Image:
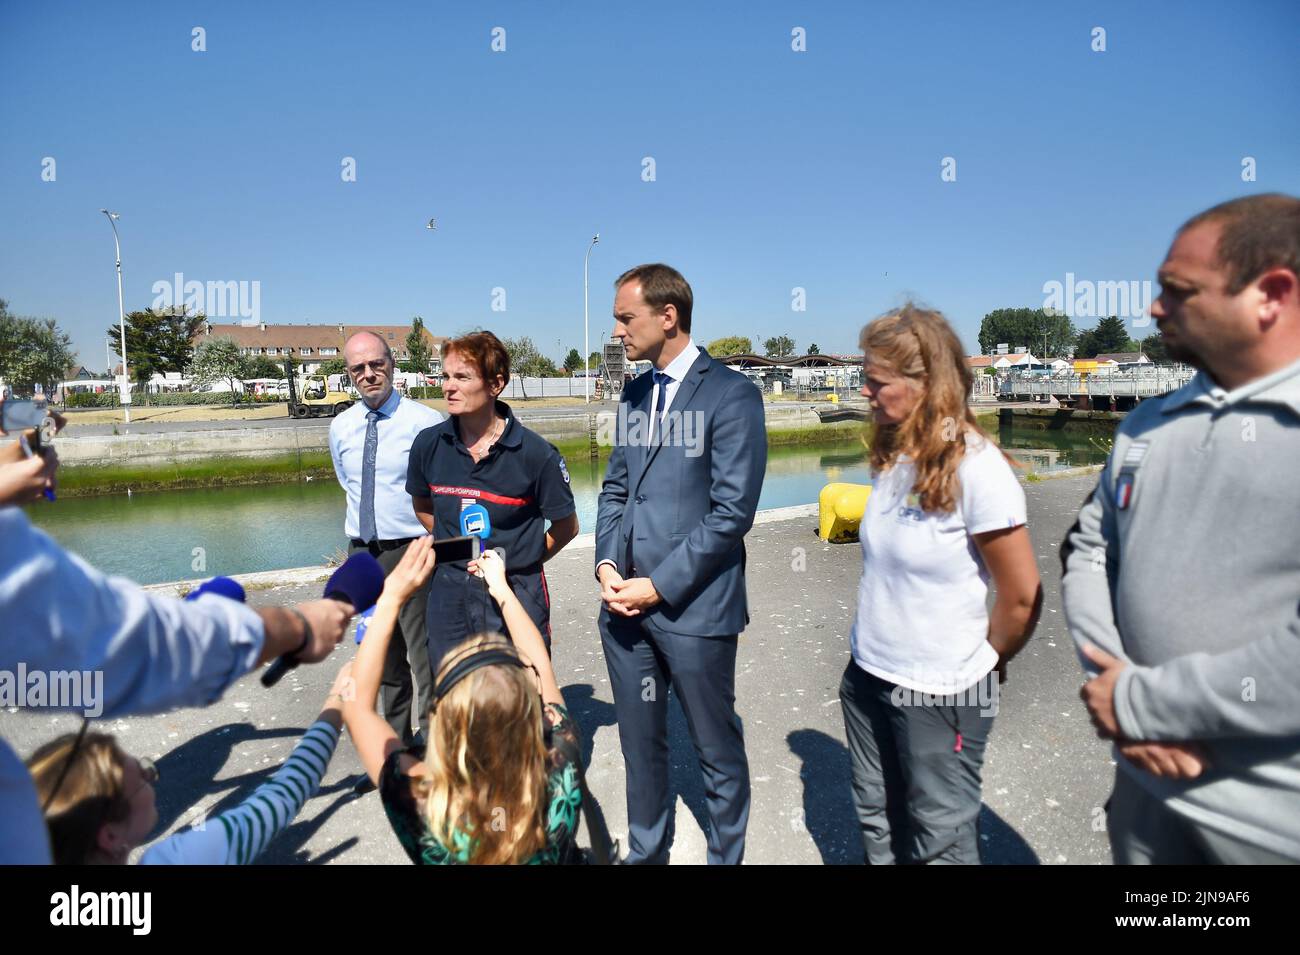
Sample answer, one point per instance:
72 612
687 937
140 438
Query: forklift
313 395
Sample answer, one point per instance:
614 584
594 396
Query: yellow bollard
840 510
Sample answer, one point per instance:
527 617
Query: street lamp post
586 346
125 386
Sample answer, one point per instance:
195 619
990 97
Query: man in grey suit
678 498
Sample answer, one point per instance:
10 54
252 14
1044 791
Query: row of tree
1056 335
779 346
36 352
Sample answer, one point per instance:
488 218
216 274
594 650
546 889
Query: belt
376 547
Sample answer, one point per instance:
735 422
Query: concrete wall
183 446
1096 422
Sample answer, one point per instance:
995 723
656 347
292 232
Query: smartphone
455 549
18 415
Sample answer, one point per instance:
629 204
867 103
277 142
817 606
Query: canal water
178 535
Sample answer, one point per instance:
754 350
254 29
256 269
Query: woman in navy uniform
482 455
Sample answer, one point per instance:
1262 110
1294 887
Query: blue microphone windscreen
359 581
475 522
223 586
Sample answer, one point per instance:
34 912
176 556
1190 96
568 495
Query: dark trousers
459 607
701 671
408 658
916 791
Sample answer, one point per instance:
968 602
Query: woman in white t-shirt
946 512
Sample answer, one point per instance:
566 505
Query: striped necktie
371 453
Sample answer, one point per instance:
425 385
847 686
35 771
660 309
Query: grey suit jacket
679 508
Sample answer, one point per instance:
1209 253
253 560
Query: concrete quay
1046 778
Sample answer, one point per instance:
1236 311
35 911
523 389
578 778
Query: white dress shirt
147 653
677 369
400 420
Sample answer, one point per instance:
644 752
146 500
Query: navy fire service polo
523 482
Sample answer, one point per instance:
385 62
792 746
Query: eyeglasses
148 771
378 366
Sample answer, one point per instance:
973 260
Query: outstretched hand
23 479
327 621
411 571
492 569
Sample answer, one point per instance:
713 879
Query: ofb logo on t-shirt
911 510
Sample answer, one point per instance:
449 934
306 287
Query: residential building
313 345
1000 363
1124 358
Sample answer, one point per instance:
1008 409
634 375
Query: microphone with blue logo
475 522
358 581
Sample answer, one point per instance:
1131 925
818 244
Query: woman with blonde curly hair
945 514
498 783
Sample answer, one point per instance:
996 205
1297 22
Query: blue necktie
368 532
661 379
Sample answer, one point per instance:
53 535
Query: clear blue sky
775 169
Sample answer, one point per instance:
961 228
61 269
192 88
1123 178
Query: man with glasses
370 444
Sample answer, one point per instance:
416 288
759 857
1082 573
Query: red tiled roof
315 337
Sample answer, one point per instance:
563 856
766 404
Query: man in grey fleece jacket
1182 574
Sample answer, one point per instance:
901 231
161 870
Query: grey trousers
642 665
916 788
1144 831
407 643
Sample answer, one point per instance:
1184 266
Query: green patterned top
564 800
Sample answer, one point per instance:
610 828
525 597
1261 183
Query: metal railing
1140 382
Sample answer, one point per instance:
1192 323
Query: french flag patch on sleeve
1123 491
1128 472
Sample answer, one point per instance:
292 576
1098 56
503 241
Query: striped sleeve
238 836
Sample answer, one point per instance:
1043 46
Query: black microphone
358 581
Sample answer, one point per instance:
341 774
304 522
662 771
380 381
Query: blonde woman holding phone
498 783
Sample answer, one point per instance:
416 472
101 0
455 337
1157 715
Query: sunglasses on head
148 771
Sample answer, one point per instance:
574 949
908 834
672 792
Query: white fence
546 388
